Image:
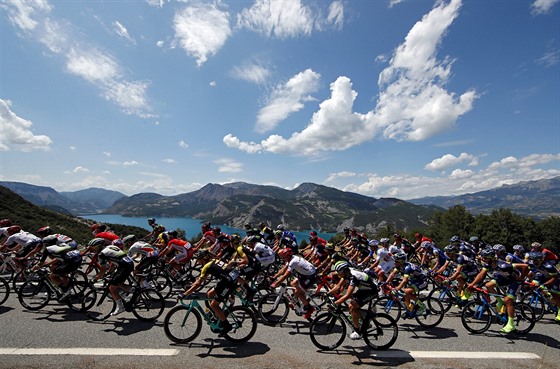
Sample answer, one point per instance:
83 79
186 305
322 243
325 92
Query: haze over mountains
309 206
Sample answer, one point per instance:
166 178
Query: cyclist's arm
346 296
479 277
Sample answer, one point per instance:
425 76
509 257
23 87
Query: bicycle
38 290
180 329
4 290
540 304
275 306
446 294
147 304
328 330
393 304
477 315
164 277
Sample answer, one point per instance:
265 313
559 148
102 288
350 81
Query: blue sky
387 98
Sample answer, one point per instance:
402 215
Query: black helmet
488 253
202 254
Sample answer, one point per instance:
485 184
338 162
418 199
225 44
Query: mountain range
309 206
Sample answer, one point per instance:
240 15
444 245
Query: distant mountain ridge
88 201
539 199
309 206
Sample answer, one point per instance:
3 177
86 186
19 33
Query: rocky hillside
538 199
309 206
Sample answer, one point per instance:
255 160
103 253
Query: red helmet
5 223
93 227
45 231
285 253
13 229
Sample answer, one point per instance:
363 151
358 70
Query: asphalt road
66 339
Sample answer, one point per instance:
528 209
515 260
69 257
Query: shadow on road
222 348
370 357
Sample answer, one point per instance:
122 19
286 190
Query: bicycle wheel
148 305
536 302
34 295
444 296
327 331
19 279
476 317
273 308
4 290
380 331
161 283
102 306
389 306
243 322
433 315
524 318
78 286
318 300
182 326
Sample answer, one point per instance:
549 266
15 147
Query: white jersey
385 258
394 249
22 238
264 254
301 266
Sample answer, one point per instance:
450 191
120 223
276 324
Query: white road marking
86 351
456 355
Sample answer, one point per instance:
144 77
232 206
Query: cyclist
148 253
101 231
403 244
253 258
287 233
500 251
465 270
361 289
183 250
4 225
519 255
24 243
152 236
223 289
503 274
112 257
546 277
477 244
547 254
267 233
46 234
305 276
384 262
65 259
431 250
414 280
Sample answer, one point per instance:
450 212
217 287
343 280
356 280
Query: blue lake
189 225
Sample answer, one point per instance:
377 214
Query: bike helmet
488 253
97 242
426 245
473 239
235 238
13 229
536 245
217 230
535 256
202 254
223 238
341 266
384 241
5 223
346 229
129 240
401 256
285 253
252 239
119 243
454 239
451 249
280 227
45 231
373 243
518 248
329 247
499 248
172 234
277 233
206 227
151 221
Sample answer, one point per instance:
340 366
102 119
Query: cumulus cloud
201 30
543 6
83 59
450 160
253 73
392 3
130 163
286 99
228 165
183 144
80 169
413 103
508 170
16 132
169 161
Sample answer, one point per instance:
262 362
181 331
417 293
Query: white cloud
508 170
83 59
412 105
550 58
73 148
169 161
449 160
253 73
394 2
160 43
201 30
286 99
183 144
228 166
121 30
543 6
336 14
130 163
107 154
213 84
80 169
16 133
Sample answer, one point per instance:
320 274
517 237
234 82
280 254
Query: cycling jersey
142 248
300 266
58 239
184 250
114 255
386 262
109 237
468 266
